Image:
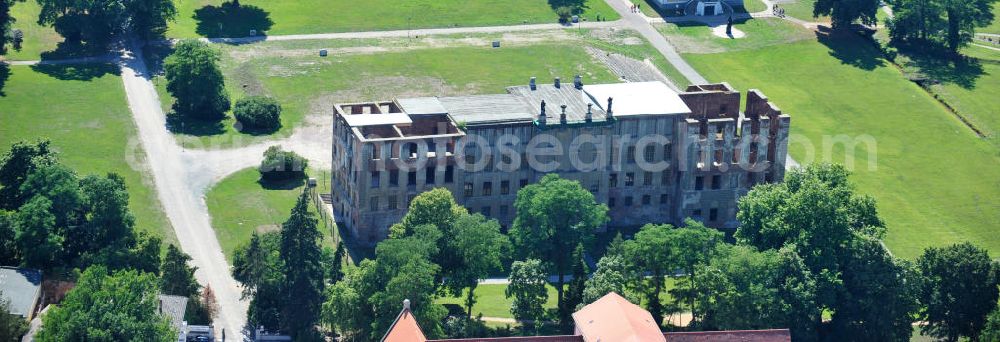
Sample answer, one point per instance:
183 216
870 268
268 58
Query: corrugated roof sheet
555 97
421 105
482 109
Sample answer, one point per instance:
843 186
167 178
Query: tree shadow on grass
77 72
231 21
936 65
850 48
4 75
282 184
182 124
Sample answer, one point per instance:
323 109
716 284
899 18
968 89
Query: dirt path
172 169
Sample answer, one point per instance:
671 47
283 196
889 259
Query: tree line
808 256
80 230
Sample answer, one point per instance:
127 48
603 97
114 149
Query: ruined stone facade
651 154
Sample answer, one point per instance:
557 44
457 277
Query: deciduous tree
195 80
652 254
15 166
553 217
843 13
257 266
479 248
527 288
40 245
959 291
102 307
12 326
574 293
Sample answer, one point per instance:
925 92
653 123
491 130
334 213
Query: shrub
258 113
564 13
279 164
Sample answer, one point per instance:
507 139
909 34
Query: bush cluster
279 165
258 113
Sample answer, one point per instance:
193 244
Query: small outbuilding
22 287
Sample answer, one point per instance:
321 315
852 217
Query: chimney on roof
556 82
531 83
406 304
590 114
562 117
541 117
578 82
610 113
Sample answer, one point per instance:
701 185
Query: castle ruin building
652 154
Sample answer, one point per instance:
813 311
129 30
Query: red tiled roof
405 329
560 338
614 318
771 335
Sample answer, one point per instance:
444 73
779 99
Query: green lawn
697 38
493 302
240 205
305 83
802 9
972 99
754 6
37 39
207 18
86 116
936 182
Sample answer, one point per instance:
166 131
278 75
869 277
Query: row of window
644 200
430 176
487 188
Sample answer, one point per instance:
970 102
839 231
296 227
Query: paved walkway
184 207
638 22
414 32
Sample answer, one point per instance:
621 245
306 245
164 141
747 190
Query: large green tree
117 307
479 249
695 245
553 217
948 22
195 80
613 274
176 277
574 292
8 242
37 239
150 17
959 291
15 166
816 212
91 21
843 13
653 255
365 303
257 266
301 261
527 288
742 288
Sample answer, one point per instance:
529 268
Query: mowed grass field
977 101
305 83
240 204
936 182
37 39
209 18
89 123
492 301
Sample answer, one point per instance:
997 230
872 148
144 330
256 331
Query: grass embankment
82 109
936 182
208 18
241 204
